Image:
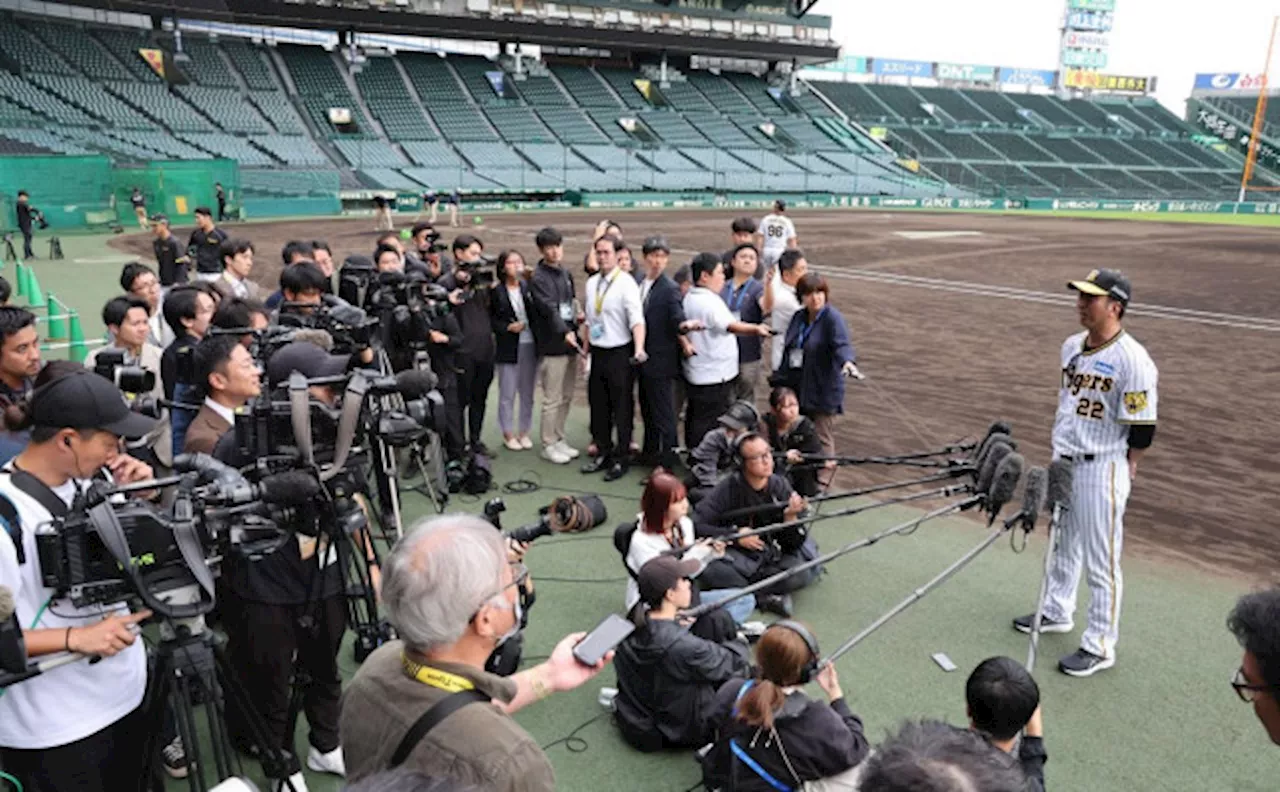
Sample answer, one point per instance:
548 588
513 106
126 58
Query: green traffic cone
57 326
35 296
78 350
22 279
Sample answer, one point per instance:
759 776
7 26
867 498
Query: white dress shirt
613 308
785 305
226 413
715 358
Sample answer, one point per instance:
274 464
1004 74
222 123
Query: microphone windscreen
987 445
7 603
1000 427
1060 478
291 488
995 455
1005 483
1033 495
416 383
312 335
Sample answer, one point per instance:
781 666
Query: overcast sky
1171 39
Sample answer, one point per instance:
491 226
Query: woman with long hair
662 526
769 735
516 355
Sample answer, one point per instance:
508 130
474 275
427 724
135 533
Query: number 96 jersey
1103 392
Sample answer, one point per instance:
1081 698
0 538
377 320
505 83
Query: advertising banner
1078 78
1100 21
1088 59
1080 40
1228 81
849 64
901 68
1094 5
1238 137
1038 77
966 72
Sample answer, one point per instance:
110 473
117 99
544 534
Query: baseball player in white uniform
1105 422
777 233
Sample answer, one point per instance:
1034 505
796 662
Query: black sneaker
1023 624
1084 663
175 759
616 471
777 604
595 465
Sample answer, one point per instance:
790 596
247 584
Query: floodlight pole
1252 157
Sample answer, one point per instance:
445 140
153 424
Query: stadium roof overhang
373 20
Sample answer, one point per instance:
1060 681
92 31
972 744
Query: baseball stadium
948 206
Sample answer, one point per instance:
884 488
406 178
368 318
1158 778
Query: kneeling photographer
79 726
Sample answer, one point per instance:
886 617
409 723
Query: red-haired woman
769 735
662 525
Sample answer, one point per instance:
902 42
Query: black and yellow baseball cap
1104 283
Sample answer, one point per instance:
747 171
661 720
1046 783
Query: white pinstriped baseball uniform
1104 392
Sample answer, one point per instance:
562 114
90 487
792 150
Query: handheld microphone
13 649
994 457
1033 499
1004 484
1061 474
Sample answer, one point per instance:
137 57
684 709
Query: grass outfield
1163 719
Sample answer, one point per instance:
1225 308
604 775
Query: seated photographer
237 264
794 436
667 676
229 378
934 755
769 735
290 602
80 727
662 526
1002 700
470 300
126 322
450 624
713 459
19 364
752 558
188 311
238 314
140 281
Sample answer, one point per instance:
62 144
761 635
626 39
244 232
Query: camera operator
754 558
388 259
26 214
171 257
81 726
290 601
236 314
450 591
555 321
322 255
294 252
301 283
205 245
19 364
428 249
229 378
140 281
188 311
470 302
126 322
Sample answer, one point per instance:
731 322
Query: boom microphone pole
746 511
1002 492
1059 502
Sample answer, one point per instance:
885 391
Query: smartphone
607 634
944 662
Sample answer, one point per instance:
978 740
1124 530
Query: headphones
810 669
738 443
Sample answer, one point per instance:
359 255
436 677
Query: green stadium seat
42 139
433 154
227 146
276 108
623 83
540 90
1115 151
44 91
20 47
364 154
248 60
586 87
572 125
321 87
956 105
289 182
754 90
75 44
390 179
157 101
205 66
1013 146
462 122
552 157
473 71
518 124
434 81
674 128
902 100
292 150
1070 151
227 107
124 43
389 101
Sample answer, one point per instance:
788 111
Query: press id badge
566 312
795 358
597 329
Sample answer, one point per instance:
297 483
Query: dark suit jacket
503 313
204 431
663 314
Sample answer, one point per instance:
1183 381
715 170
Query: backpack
479 477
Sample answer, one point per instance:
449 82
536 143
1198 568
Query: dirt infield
958 320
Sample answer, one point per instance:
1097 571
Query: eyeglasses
519 574
1246 691
757 457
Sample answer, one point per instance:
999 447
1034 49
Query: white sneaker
296 781
331 762
552 453
513 444
525 442
568 450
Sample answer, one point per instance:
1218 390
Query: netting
177 188
70 191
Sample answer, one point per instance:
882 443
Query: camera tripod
55 248
10 252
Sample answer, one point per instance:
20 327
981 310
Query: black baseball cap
741 415
203 210
160 219
655 243
307 358
1104 283
661 574
84 400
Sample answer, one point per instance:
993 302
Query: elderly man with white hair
425 702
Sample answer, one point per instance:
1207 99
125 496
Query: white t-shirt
785 305
1103 392
522 313
716 350
646 546
76 700
776 230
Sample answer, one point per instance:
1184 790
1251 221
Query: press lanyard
735 296
807 329
450 683
601 292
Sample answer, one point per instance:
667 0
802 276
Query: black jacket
1032 756
169 362
820 740
502 314
663 315
206 248
803 437
473 318
24 217
667 682
734 493
443 356
553 292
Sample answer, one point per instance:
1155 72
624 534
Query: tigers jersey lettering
1102 393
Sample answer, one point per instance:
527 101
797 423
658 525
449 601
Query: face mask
518 613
